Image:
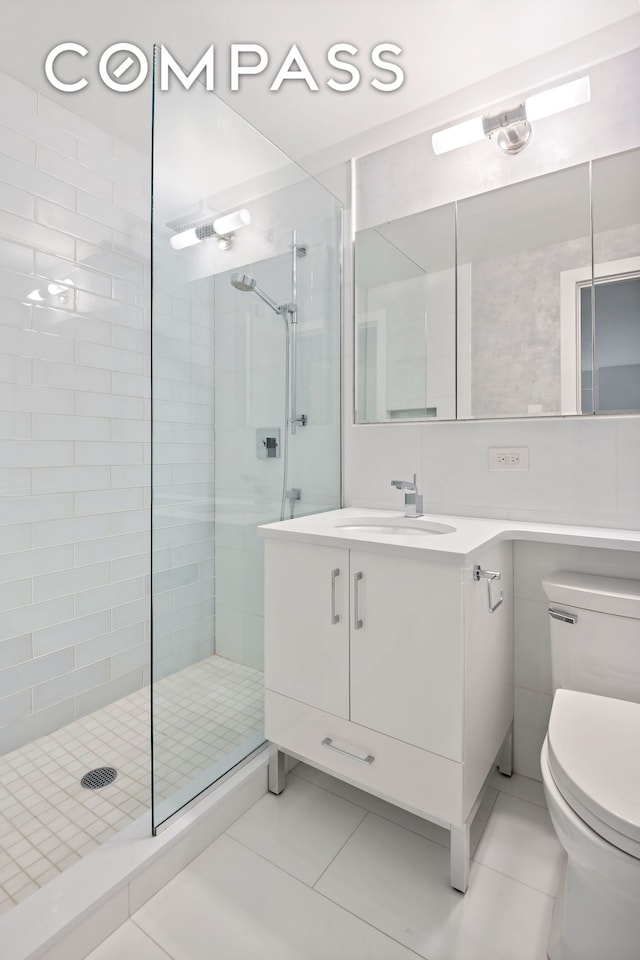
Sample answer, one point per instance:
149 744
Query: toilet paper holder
489 576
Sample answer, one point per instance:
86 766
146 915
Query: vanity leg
505 757
459 863
276 769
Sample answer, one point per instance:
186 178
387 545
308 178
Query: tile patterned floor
326 872
48 821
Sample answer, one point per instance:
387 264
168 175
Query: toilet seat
594 759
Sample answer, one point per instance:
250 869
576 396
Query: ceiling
448 47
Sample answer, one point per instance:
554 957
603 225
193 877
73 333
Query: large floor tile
127 943
520 842
410 821
518 786
388 811
232 904
400 883
301 830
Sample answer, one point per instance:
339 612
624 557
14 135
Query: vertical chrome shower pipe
290 317
293 339
287 417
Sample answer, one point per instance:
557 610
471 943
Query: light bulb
560 98
185 239
232 221
470 131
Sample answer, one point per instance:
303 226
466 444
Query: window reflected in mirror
615 327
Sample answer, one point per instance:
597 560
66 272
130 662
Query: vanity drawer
423 782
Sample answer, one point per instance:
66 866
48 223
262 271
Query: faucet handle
406 484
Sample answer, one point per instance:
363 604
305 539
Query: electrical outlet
508 458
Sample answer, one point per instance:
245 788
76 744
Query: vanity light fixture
512 127
222 228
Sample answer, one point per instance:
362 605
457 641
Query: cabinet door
307 624
407 650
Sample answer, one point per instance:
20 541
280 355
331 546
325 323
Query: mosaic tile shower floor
48 821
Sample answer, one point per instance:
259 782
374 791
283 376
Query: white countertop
471 536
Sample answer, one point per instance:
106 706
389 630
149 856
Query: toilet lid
594 758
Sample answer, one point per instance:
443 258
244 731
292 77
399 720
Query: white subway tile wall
183 468
74 416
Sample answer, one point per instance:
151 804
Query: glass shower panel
246 417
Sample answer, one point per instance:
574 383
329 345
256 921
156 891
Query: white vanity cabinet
391 673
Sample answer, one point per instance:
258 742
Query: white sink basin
395 526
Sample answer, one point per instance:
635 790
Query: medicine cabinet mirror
519 302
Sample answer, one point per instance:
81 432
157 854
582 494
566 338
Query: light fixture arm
505 119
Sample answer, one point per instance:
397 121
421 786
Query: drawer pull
328 742
562 615
335 617
357 620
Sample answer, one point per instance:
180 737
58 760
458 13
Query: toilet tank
595 634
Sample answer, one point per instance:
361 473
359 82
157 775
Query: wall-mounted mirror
519 302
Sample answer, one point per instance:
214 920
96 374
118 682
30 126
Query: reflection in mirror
515 245
612 315
543 318
405 318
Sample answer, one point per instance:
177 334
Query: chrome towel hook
489 576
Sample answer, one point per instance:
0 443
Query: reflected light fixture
222 228
59 289
512 128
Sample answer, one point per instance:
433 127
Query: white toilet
591 765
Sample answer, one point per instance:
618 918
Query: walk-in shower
137 457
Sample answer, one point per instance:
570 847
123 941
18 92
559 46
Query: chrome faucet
412 501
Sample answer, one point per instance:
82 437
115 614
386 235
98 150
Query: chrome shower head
242 282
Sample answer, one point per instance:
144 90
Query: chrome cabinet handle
335 617
328 742
357 622
562 615
489 576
